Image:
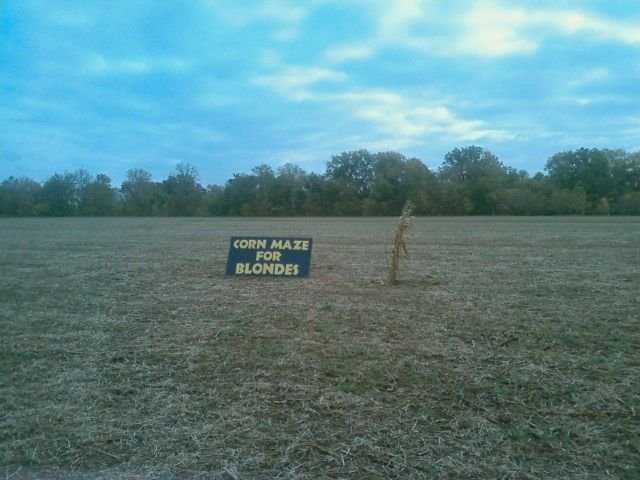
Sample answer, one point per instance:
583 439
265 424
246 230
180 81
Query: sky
226 85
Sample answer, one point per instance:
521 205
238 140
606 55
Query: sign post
269 256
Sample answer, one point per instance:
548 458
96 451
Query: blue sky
225 85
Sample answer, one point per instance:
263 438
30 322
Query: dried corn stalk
399 249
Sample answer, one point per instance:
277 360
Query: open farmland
509 349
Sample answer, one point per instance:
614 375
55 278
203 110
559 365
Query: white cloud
286 34
282 11
289 16
393 24
494 32
270 58
495 42
592 76
294 82
396 17
286 16
399 119
412 120
97 64
572 22
345 53
486 29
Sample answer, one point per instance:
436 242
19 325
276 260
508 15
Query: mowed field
510 349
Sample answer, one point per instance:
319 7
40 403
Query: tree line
470 181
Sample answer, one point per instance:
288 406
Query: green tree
422 187
389 191
473 177
215 200
99 198
314 202
81 180
628 204
239 196
141 196
625 171
349 181
512 195
586 168
341 200
19 197
184 195
568 202
353 170
264 185
454 198
289 191
59 195
398 179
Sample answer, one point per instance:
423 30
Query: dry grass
399 249
511 353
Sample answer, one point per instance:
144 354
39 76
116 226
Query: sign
269 256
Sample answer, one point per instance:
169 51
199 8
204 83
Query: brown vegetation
399 249
511 352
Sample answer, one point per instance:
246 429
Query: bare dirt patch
509 349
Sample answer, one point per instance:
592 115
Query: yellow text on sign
268 255
249 243
289 245
287 269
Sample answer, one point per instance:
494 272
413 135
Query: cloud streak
403 120
294 83
97 64
487 29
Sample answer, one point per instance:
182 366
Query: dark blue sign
269 256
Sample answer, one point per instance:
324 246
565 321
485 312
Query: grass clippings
510 350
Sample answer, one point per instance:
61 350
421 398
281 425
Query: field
509 349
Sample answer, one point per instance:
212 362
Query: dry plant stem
399 249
